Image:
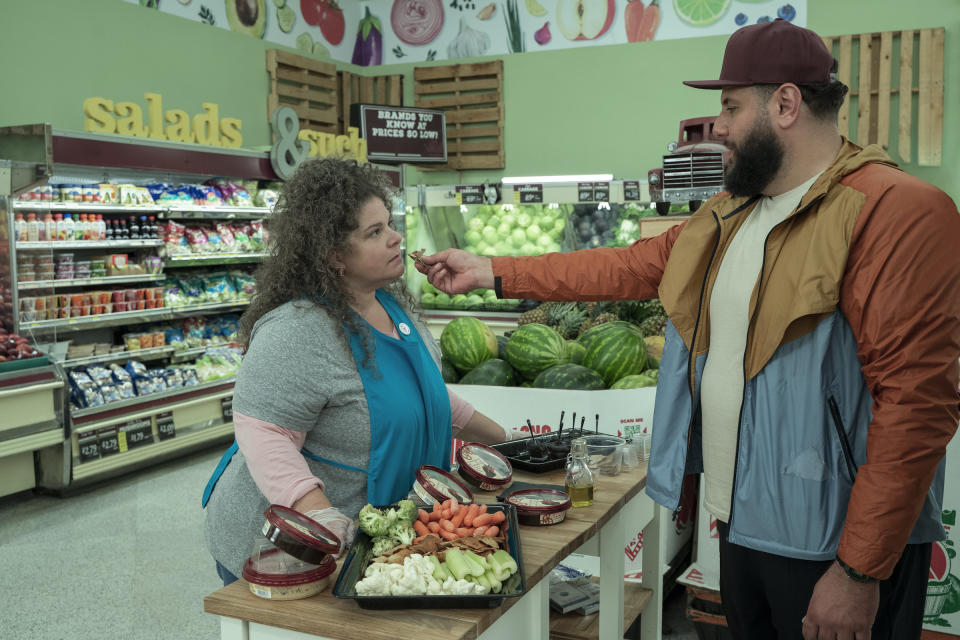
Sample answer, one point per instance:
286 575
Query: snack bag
227 240
214 243
258 237
173 294
241 236
267 198
197 240
244 283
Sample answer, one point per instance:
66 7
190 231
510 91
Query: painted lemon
700 13
536 9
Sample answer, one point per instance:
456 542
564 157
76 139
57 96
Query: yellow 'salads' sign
176 125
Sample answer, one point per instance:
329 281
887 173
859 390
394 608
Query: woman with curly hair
339 398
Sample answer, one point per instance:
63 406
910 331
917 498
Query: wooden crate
471 95
306 85
877 89
573 626
355 89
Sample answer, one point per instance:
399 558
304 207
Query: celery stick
495 583
506 560
457 564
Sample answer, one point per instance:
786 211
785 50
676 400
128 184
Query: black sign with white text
401 134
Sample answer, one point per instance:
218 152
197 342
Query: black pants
766 596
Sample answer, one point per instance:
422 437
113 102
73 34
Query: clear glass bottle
579 480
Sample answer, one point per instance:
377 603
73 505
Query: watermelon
448 371
466 342
616 353
533 348
588 337
573 351
635 381
494 372
502 347
569 376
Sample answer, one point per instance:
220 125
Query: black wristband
855 575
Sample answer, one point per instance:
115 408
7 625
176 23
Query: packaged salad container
539 507
298 535
483 467
433 484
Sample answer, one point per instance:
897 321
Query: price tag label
601 191
527 193
89 447
165 427
631 190
585 192
226 408
469 194
108 441
135 433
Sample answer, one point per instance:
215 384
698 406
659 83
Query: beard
757 160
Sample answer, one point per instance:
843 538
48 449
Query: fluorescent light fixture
597 177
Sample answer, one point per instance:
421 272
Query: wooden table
619 503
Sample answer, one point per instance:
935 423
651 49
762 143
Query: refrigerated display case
518 220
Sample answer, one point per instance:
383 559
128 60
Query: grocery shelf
187 354
83 207
83 282
216 213
129 317
150 399
213 259
90 244
135 354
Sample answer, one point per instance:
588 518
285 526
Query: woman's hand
338 524
482 429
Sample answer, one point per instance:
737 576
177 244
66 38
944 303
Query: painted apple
584 19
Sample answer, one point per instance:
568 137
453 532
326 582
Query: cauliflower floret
462 588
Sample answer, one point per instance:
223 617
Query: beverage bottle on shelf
145 228
41 230
101 228
50 226
33 228
124 232
83 231
69 228
108 229
134 228
61 229
19 228
154 228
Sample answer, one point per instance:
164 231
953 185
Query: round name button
404 328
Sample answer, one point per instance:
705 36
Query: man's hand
841 608
456 271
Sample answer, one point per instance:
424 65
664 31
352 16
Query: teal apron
409 407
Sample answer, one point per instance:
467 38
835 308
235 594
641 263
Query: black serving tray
358 557
511 448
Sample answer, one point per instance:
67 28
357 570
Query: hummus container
273 574
433 484
298 535
483 468
539 507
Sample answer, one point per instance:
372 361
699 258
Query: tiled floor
126 560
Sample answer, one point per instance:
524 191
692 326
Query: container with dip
483 468
294 557
433 484
539 507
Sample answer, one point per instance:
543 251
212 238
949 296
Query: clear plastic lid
484 464
272 567
299 535
441 485
539 501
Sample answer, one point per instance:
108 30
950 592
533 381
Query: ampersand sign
287 152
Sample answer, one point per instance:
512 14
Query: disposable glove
338 524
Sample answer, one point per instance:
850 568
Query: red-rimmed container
433 484
298 535
484 468
539 507
273 574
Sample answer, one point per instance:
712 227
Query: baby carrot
433 526
423 516
437 507
483 508
498 517
420 528
454 505
457 518
464 532
448 535
472 512
483 520
418 539
492 531
446 525
435 515
445 514
479 531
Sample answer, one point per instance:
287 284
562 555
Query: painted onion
417 22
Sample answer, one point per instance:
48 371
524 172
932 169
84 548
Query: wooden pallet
573 626
355 89
879 88
306 85
471 95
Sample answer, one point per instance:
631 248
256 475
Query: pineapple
654 325
558 311
537 315
603 318
566 318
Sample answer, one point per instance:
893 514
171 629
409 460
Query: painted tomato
327 15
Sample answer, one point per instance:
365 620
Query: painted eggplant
368 50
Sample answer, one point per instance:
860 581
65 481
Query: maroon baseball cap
772 53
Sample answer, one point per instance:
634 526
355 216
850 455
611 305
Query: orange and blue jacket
850 367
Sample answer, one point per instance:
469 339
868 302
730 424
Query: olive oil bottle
579 480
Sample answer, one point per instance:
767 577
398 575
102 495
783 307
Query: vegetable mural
428 30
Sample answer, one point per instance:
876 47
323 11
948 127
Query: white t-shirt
721 388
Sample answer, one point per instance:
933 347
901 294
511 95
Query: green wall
592 110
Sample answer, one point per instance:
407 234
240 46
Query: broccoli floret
406 511
402 532
382 544
391 516
373 522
